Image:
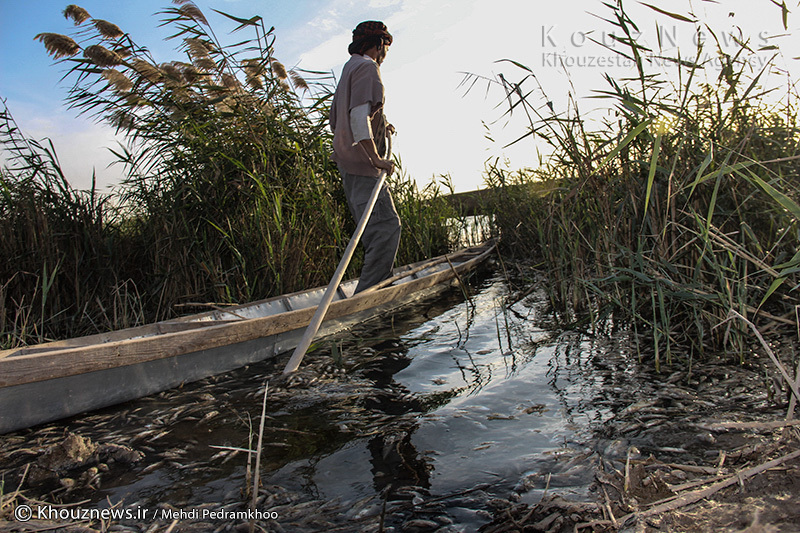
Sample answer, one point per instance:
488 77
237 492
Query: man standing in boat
359 148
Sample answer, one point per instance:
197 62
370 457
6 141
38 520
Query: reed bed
229 193
681 206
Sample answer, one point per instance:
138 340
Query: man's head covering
372 28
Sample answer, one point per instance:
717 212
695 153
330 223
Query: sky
442 128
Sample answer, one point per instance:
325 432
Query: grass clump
681 206
229 194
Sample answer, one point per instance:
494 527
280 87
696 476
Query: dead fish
154 466
160 435
180 466
420 524
638 406
173 454
177 413
144 434
208 416
537 408
498 416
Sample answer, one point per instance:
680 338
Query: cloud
82 146
377 4
86 152
440 128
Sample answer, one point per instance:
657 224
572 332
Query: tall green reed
676 210
51 236
430 224
229 193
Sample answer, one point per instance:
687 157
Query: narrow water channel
428 415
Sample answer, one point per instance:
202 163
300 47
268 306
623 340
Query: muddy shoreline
663 449
708 454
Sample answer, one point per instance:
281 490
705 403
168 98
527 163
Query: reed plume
190 73
119 80
147 70
298 81
278 69
123 51
58 45
107 29
172 71
192 12
230 81
76 13
102 56
254 70
198 49
133 100
206 63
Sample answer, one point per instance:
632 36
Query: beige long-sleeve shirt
360 84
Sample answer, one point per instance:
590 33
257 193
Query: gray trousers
381 237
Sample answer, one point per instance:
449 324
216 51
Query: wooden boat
59 379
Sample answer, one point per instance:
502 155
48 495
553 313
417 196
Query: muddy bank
710 450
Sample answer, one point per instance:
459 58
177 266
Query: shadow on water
434 411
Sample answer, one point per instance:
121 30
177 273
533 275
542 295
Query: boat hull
47 383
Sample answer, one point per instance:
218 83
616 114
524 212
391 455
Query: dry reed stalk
692 497
607 507
743 426
782 369
257 473
11 499
793 400
248 475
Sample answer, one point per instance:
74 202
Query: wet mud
461 415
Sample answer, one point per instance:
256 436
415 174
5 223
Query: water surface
453 402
